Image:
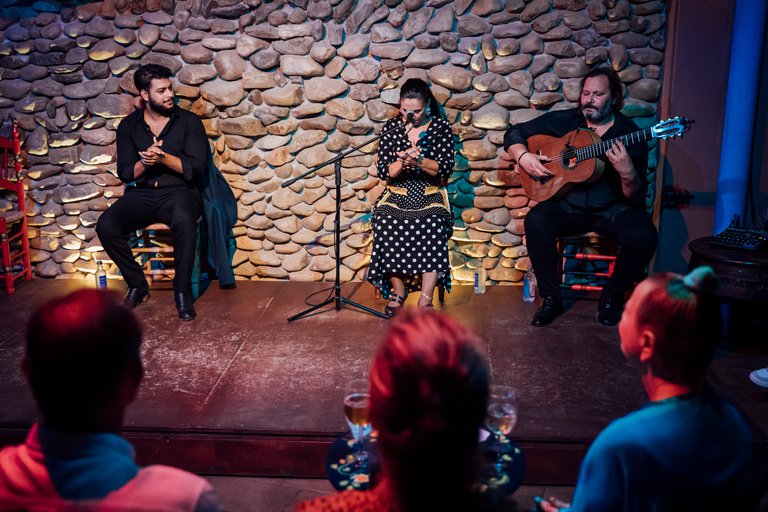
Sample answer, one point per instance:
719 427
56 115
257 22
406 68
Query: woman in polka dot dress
412 219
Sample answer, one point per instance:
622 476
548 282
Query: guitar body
566 172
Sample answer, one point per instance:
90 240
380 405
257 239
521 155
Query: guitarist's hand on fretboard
532 164
620 159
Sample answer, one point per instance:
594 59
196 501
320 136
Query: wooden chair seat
153 247
586 261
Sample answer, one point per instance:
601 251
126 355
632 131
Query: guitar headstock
671 127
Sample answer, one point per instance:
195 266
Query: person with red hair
429 388
687 449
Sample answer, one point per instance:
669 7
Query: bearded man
612 206
162 151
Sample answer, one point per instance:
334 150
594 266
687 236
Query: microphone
409 116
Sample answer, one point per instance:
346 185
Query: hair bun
701 280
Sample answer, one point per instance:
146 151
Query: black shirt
183 136
603 197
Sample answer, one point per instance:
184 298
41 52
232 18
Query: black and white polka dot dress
412 219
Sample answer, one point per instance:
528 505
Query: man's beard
161 109
599 115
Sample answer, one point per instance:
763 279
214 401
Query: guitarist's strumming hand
532 164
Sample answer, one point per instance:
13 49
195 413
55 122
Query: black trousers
178 207
633 230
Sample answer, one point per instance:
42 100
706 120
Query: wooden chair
154 249
14 242
586 261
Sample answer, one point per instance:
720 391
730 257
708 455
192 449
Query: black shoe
609 309
551 308
136 296
184 305
392 311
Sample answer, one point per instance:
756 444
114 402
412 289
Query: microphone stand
337 298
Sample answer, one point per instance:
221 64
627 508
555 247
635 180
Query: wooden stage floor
240 391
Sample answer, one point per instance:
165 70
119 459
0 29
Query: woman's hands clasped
410 157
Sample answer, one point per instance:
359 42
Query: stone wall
282 85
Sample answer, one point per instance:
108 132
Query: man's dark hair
79 350
614 84
146 73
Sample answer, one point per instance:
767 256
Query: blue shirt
684 453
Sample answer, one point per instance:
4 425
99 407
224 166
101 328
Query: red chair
15 246
586 261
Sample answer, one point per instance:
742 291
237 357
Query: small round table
340 468
743 277
743 274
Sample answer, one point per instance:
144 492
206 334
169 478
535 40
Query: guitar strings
600 147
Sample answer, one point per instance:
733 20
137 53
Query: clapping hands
153 155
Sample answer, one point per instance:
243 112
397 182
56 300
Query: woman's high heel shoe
391 311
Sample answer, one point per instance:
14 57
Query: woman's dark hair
429 390
684 316
414 88
143 76
614 84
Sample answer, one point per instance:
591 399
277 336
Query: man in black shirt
163 151
612 206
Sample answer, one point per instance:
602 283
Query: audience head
429 389
82 359
417 89
678 318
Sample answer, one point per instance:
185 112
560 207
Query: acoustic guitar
574 156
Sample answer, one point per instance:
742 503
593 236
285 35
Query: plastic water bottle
101 276
529 286
480 279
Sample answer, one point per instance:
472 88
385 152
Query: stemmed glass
356 398
501 418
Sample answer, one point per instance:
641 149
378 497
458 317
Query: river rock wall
281 86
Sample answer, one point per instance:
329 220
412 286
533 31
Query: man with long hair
613 205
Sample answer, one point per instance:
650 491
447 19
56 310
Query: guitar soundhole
568 158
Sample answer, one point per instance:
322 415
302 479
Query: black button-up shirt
183 136
603 197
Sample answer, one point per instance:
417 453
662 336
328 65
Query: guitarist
612 206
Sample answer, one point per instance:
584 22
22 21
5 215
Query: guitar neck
600 148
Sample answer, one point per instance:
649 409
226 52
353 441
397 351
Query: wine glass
356 398
501 418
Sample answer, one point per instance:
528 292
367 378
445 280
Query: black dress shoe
136 296
185 305
551 308
609 309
